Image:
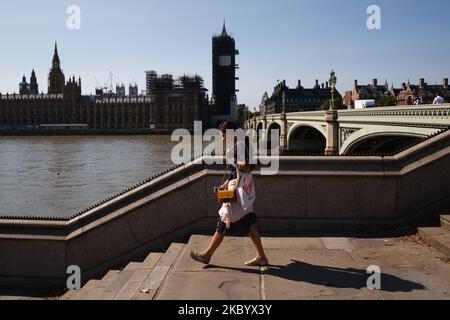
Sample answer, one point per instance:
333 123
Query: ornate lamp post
331 118
333 81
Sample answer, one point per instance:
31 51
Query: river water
60 176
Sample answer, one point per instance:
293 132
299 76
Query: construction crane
107 87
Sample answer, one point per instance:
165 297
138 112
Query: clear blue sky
286 39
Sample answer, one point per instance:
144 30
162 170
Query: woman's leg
205 256
256 239
214 245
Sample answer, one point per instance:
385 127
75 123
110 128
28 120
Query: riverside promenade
311 267
303 267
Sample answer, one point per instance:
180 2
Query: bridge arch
273 126
374 142
307 137
259 127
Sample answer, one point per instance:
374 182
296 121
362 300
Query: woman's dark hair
228 125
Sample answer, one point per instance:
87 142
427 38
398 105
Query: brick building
422 92
373 91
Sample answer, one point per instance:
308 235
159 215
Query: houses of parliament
64 107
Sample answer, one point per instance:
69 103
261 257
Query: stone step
152 284
99 289
152 259
90 286
105 289
128 283
109 278
111 291
77 294
438 238
142 272
445 222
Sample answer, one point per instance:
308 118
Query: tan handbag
228 196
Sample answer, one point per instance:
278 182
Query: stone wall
308 194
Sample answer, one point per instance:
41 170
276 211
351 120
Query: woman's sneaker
258 262
199 257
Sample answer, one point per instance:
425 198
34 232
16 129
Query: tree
386 101
243 114
338 104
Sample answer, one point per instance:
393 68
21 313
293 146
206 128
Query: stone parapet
308 193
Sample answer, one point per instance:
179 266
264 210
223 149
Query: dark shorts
240 228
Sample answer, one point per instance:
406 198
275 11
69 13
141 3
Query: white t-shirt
238 211
439 100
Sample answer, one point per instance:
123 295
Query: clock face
225 61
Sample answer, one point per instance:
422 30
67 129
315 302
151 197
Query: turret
24 87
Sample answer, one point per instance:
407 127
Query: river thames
60 176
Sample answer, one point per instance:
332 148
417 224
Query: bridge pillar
331 118
283 133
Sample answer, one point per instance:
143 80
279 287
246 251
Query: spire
33 76
224 30
56 61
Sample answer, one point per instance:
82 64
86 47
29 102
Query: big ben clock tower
224 76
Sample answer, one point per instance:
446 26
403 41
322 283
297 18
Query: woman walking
246 220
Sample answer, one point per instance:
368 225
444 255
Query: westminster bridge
345 132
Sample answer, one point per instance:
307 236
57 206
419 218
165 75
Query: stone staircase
438 237
137 281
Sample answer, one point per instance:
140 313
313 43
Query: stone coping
399 165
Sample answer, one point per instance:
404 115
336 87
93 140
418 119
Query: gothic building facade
298 99
26 88
64 106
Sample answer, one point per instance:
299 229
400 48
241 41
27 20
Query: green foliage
243 113
338 104
386 101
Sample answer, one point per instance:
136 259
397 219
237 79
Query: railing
438 115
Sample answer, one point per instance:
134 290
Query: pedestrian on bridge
438 99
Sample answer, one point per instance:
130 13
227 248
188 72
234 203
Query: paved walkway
301 268
310 268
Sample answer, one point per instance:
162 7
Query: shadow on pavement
330 276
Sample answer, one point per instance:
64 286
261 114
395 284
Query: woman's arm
244 167
224 186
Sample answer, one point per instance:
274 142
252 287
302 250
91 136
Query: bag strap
240 174
237 173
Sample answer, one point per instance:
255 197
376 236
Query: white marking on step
263 283
338 244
